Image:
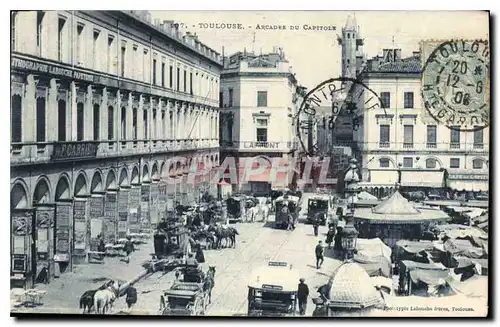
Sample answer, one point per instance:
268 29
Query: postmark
322 105
456 83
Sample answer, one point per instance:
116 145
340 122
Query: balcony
478 146
383 144
431 145
257 146
454 145
408 145
38 153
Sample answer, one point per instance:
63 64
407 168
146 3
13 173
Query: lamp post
349 233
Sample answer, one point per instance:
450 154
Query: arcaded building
100 100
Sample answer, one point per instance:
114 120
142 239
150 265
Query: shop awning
422 178
468 185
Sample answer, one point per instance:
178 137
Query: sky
315 56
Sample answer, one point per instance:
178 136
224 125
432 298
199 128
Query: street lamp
349 233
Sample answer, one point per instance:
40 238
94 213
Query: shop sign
74 150
96 207
39 67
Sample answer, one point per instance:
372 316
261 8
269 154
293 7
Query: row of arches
435 163
21 198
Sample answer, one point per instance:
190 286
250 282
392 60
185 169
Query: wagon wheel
162 304
199 306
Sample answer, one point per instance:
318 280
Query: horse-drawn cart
184 299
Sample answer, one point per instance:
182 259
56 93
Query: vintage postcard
250 163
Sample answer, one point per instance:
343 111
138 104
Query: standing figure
131 298
337 245
329 236
316 221
319 255
199 256
129 248
302 294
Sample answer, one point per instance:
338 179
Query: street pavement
257 244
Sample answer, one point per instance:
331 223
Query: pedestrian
329 237
200 257
302 294
337 245
131 298
319 255
129 248
316 225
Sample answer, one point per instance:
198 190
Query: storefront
23 250
81 234
96 213
110 222
134 209
123 210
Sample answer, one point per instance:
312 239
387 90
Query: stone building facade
100 104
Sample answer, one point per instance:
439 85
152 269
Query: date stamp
322 106
456 83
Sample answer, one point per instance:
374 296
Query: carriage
318 204
237 206
186 297
168 240
281 216
272 290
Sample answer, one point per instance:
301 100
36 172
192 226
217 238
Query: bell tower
352 48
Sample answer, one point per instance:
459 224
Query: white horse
105 298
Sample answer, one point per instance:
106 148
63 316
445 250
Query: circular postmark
456 84
321 106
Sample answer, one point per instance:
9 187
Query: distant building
401 133
258 106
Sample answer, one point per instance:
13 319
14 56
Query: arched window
384 163
430 163
477 164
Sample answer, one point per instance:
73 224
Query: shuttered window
111 125
17 122
97 120
79 122
145 121
40 119
61 121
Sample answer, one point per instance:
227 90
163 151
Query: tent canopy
366 196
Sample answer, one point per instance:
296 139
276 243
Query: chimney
397 54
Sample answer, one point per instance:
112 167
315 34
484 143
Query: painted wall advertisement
96 204
145 204
153 218
80 223
123 212
110 215
63 230
134 204
162 200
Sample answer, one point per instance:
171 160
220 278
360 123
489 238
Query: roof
351 287
366 196
284 277
407 65
323 197
290 198
476 286
414 246
397 210
396 204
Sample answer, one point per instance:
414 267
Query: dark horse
226 234
205 235
87 299
209 282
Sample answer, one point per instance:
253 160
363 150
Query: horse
209 282
105 298
227 234
87 299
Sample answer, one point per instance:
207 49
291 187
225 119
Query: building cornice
155 31
290 76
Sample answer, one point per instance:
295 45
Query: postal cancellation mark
455 83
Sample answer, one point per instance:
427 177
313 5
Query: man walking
129 248
302 294
319 255
316 221
131 298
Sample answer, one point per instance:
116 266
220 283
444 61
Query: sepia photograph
306 164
